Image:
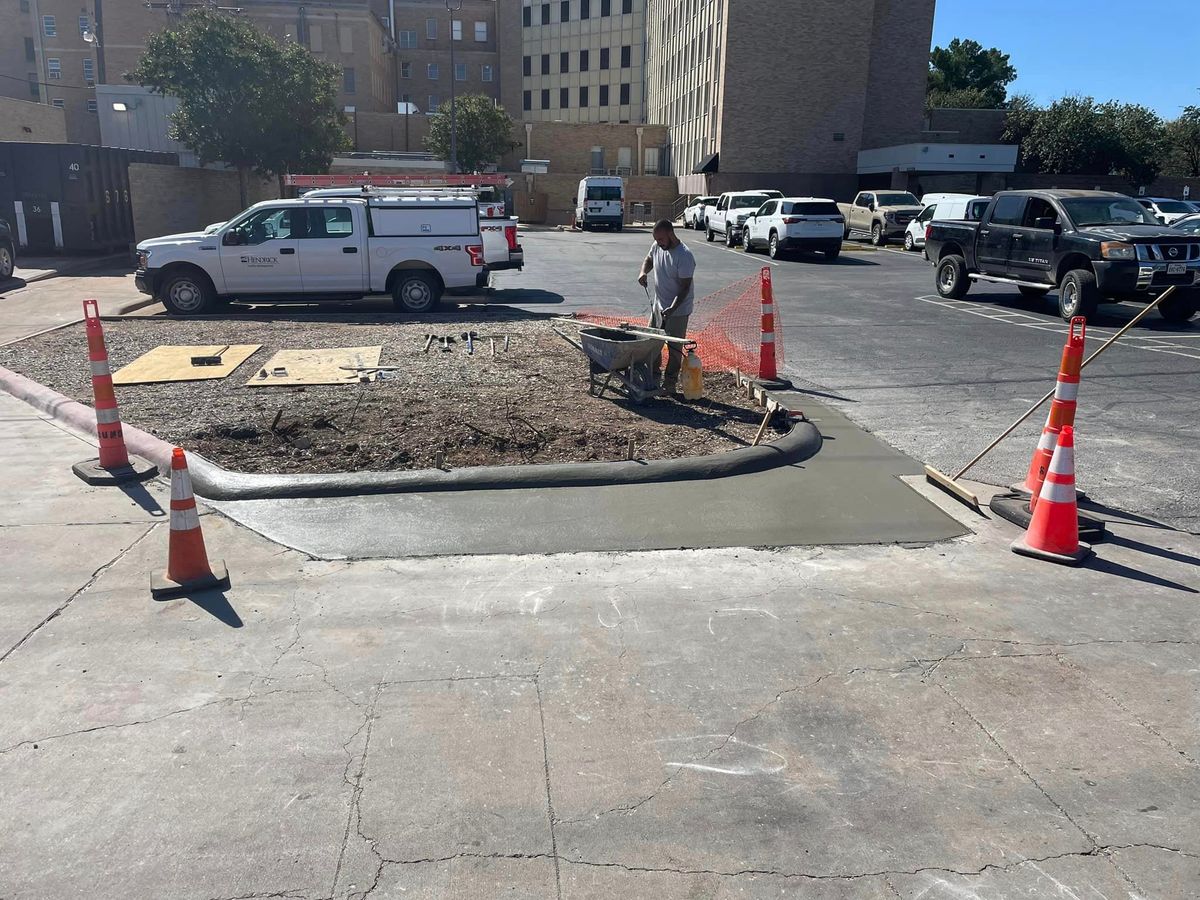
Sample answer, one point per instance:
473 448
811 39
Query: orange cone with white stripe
1062 407
113 466
188 568
768 373
1053 533
1041 461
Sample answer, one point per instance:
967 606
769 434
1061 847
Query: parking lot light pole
453 6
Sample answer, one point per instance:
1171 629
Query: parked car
1093 246
8 251
729 214
693 213
943 206
1165 209
312 249
881 215
774 195
795 223
600 203
1194 204
1188 224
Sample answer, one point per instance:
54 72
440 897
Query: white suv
1165 209
795 223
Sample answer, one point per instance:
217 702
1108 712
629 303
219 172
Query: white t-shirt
670 268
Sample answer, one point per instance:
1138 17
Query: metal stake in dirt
113 466
768 376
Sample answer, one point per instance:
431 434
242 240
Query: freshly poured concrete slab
849 493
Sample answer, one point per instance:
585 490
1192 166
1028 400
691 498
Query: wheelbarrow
626 355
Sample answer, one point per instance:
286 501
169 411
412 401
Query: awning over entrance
944 158
708 165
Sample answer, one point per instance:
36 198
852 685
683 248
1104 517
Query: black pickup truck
1090 246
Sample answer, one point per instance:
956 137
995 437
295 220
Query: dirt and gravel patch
527 405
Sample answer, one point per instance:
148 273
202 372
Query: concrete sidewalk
842 722
30 309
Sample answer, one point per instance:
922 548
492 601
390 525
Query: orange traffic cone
1062 407
187 560
1041 462
768 373
1053 533
113 465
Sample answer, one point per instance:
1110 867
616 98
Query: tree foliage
244 98
484 132
964 74
1183 141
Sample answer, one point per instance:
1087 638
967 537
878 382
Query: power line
49 84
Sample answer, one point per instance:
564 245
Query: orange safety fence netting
726 325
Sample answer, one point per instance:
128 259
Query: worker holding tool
674 267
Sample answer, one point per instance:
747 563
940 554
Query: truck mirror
232 238
1045 223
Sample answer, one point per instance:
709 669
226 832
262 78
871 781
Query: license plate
1176 268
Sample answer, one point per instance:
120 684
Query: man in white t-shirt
673 267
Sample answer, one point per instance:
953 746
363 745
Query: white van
968 207
600 201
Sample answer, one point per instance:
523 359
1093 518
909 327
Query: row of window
585 61
50 26
433 71
409 38
564 97
54 67
58 102
564 11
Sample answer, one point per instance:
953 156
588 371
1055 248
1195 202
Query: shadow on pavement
12 284
520 295
1131 544
1113 568
1108 514
216 605
136 491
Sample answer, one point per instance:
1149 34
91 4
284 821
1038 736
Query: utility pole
453 6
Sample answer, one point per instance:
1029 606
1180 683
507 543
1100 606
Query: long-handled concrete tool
950 484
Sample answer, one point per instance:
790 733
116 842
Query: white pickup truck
729 214
412 247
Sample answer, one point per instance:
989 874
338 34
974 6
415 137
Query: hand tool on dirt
370 368
493 340
446 344
469 337
428 342
950 484
213 359
506 343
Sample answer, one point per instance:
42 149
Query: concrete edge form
214 482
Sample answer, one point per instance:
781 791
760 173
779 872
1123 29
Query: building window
626 57
387 24
624 95
603 57
583 97
597 160
91 106
58 103
346 39
606 7
431 71
406 69
456 29
347 81
33 85
24 6
839 135
431 29
316 38
85 25
89 71
527 17
527 101
49 29
545 13
30 55
545 63
486 73
626 6
564 98
545 98
527 65
407 39
460 71
564 11
481 32
564 62
54 68
583 60
604 95
585 9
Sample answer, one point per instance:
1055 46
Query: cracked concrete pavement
943 721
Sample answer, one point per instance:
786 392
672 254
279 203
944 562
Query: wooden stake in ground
763 426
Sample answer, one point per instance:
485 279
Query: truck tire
1078 295
877 237
729 237
951 278
414 291
6 262
1178 308
187 292
708 234
1028 291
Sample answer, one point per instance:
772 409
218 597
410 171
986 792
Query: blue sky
1136 51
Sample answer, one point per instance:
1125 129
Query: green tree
1141 138
244 99
484 131
965 73
1183 141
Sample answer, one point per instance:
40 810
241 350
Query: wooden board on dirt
291 367
174 363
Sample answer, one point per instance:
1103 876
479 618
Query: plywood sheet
315 366
174 363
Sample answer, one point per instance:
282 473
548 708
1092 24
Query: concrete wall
966 126
26 121
559 192
387 131
169 200
898 72
569 146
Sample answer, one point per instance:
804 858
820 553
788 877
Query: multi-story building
785 92
583 60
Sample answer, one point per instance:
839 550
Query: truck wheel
708 234
1177 308
729 242
877 237
952 281
1028 291
187 292
415 292
6 262
1078 295
746 241
773 248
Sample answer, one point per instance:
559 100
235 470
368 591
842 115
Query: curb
214 482
84 265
